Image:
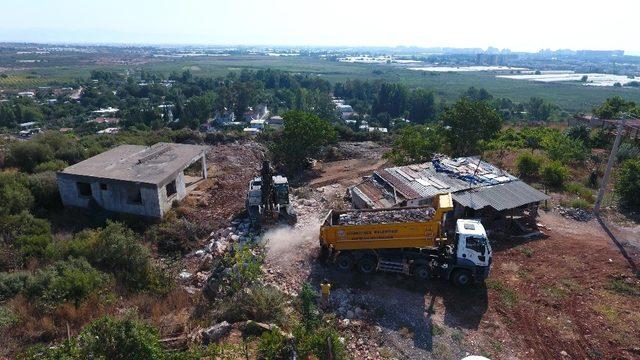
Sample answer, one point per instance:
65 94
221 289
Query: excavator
268 199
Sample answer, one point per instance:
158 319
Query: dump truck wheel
461 278
344 262
367 265
422 272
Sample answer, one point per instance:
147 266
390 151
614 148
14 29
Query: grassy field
570 96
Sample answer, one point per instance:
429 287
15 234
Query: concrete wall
115 197
167 201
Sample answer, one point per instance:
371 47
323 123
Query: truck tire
344 262
367 265
461 278
422 272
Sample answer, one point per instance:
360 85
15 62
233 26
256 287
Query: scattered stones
575 213
215 332
185 276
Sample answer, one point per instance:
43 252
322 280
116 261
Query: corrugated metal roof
500 197
474 183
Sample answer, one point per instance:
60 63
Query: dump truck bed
409 227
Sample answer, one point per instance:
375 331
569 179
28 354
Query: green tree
554 174
14 194
528 165
66 280
627 186
614 107
469 123
422 106
562 148
539 109
302 137
417 143
109 338
25 155
115 249
392 98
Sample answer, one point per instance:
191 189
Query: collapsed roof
473 183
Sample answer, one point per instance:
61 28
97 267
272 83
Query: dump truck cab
472 251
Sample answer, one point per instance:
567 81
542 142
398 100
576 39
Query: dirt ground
570 295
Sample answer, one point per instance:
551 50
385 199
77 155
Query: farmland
571 97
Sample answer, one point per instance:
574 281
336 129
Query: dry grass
170 314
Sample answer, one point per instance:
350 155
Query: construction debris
575 213
215 332
386 217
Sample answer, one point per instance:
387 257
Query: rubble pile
386 217
231 166
200 263
575 213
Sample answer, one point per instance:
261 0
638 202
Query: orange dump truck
407 240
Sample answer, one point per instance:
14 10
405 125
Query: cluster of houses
347 114
257 118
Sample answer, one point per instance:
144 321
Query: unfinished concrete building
134 179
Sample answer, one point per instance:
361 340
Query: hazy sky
519 25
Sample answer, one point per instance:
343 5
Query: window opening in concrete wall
134 196
84 189
171 188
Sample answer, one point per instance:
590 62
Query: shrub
261 303
25 155
308 298
68 280
560 147
115 249
31 235
11 284
627 186
107 338
627 151
599 139
554 174
176 235
246 262
528 165
7 318
14 194
579 132
44 188
315 343
580 190
580 204
52 165
274 346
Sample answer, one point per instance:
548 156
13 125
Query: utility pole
612 157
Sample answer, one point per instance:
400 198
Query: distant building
132 179
224 118
276 122
28 94
106 111
110 130
105 120
257 124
